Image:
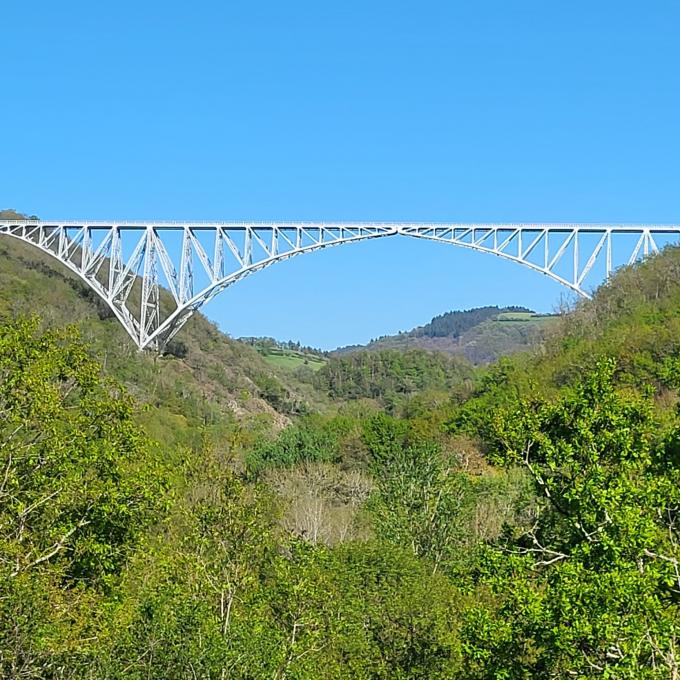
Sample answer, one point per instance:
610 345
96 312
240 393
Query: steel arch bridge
128 264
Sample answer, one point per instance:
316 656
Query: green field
291 360
523 316
515 316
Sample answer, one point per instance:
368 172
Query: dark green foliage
309 440
266 345
274 392
500 333
312 439
497 338
454 324
177 349
427 503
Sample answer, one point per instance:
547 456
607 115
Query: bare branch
59 545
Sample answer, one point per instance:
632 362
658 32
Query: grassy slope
218 383
290 360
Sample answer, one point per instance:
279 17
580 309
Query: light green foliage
79 485
76 487
515 316
224 594
591 588
190 601
422 504
427 503
376 612
291 360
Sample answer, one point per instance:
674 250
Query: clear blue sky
443 111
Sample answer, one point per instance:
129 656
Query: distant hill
11 214
454 324
481 335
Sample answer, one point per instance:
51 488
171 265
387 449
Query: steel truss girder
116 258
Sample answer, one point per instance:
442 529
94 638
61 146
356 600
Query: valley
422 507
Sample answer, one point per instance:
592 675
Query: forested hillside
205 378
481 335
395 515
390 376
454 324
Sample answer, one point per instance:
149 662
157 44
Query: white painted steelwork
195 261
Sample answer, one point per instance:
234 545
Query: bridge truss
154 276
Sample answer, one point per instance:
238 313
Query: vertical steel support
218 255
62 247
86 248
275 242
576 258
150 304
115 260
248 247
652 243
186 277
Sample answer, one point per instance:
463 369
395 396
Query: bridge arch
196 261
